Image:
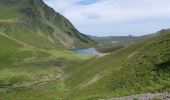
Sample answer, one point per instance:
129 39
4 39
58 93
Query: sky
115 17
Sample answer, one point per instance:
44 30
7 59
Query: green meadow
37 61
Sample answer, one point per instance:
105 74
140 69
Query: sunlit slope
21 62
135 69
34 43
9 53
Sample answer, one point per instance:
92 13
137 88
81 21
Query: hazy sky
115 17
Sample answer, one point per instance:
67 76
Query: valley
44 57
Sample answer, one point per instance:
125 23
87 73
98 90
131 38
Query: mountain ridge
35 14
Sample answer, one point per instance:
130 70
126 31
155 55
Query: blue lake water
91 51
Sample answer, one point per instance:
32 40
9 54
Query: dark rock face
59 20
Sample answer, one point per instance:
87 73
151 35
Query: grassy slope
135 69
30 53
17 59
29 57
26 39
50 91
9 53
8 12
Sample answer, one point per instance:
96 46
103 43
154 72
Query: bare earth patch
8 20
132 54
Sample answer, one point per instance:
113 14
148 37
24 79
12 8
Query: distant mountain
36 24
120 40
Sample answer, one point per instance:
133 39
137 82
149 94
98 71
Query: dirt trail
8 20
103 54
93 80
132 54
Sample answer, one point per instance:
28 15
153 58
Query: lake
91 51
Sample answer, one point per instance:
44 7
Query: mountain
36 62
112 43
35 42
29 30
36 24
117 41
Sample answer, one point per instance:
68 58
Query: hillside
36 61
36 24
136 69
33 37
139 68
35 43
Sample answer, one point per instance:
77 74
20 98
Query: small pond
91 51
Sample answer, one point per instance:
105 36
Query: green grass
9 53
135 69
96 66
51 91
27 74
22 63
8 12
28 55
156 99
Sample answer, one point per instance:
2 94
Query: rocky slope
33 22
